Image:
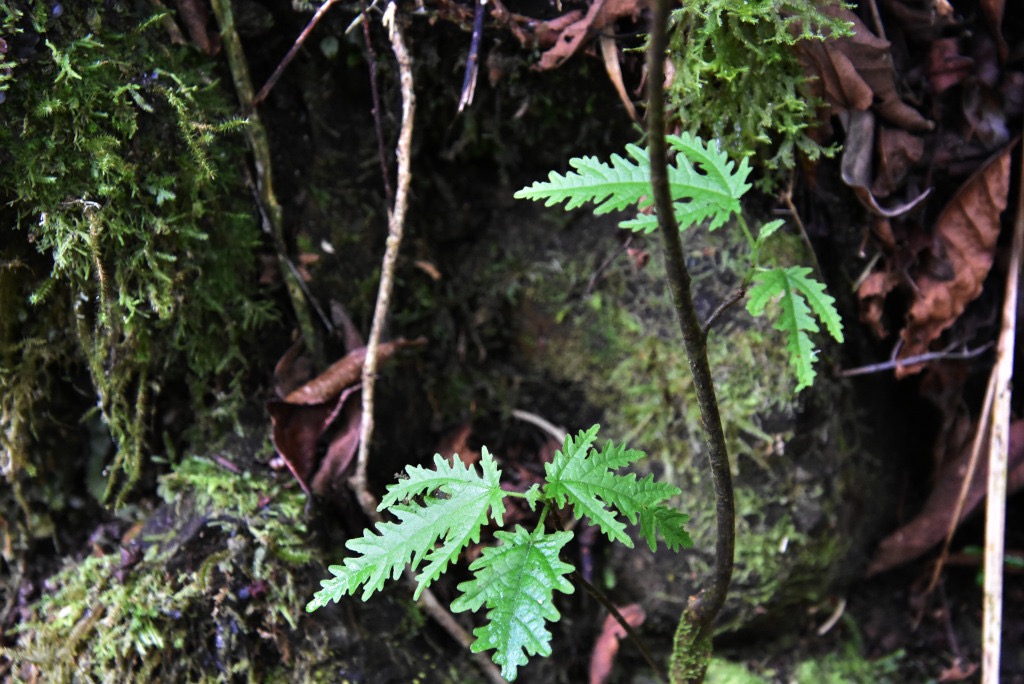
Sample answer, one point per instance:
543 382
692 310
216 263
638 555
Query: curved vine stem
692 644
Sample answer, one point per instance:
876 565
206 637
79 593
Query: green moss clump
128 251
737 77
213 581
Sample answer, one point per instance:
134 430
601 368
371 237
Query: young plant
441 510
706 187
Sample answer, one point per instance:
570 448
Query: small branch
995 505
371 60
614 612
265 90
592 281
693 636
259 143
914 360
722 308
473 59
396 223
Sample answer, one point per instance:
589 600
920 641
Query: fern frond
455 506
584 477
703 181
516 580
799 296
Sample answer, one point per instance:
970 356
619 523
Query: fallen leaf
855 73
931 525
993 11
958 672
898 152
344 372
607 645
946 66
965 236
315 428
610 55
455 444
601 14
858 153
296 433
195 17
872 293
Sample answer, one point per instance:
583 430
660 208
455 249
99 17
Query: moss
737 77
127 246
849 665
210 578
616 341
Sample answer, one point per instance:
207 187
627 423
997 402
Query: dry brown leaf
297 430
323 417
610 55
455 444
601 14
343 373
965 236
607 645
195 17
946 66
930 526
872 293
855 73
898 152
993 11
858 153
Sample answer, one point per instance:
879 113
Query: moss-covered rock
211 587
597 319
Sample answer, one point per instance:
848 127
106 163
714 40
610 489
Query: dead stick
265 90
259 143
999 447
396 223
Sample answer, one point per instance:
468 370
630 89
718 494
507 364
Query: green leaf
799 296
456 501
584 477
516 580
704 184
767 230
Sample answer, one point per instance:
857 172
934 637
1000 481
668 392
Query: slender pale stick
396 224
995 505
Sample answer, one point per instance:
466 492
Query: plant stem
692 642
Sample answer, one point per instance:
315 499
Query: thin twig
972 464
943 355
265 90
614 612
396 224
473 58
787 199
608 260
259 143
995 505
693 635
557 433
371 60
722 308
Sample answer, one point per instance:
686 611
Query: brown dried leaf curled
343 373
931 525
855 73
965 236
